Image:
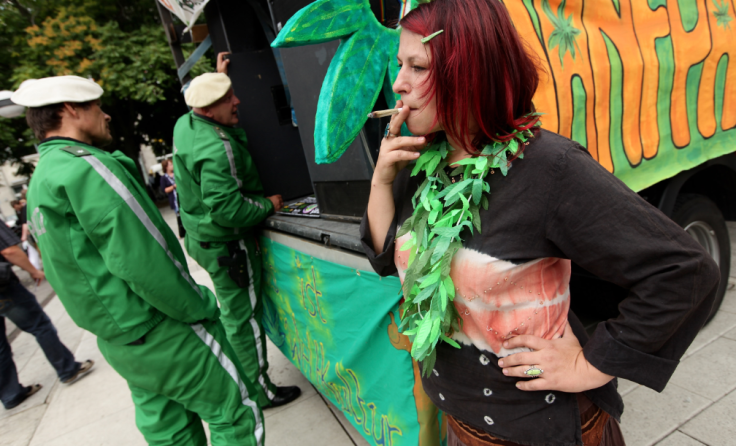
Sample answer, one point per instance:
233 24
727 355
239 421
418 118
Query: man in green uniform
221 201
121 274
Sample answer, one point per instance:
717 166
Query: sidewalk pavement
694 410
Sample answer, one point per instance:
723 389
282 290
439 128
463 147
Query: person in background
122 275
27 240
168 186
222 202
22 308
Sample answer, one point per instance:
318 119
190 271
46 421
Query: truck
648 87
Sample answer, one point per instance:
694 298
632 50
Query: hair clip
432 36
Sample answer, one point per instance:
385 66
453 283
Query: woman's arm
395 154
603 226
170 189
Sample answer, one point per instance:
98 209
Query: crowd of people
466 83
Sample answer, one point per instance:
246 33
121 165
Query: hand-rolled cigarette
384 113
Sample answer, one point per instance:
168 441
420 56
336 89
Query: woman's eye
418 68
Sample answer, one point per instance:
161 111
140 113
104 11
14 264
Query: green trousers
183 374
241 309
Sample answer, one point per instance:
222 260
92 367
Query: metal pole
172 38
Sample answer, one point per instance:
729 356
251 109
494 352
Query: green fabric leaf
442 246
450 341
409 243
476 217
430 280
405 227
449 286
484 202
477 190
323 21
425 328
425 293
350 89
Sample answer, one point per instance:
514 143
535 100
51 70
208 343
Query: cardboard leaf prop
363 66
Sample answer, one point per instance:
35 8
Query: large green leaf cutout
323 21
350 89
358 73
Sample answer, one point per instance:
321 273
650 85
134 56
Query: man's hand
562 360
38 276
16 256
222 63
277 201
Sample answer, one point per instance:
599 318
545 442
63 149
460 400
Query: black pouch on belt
236 263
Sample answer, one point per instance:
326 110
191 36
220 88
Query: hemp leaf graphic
363 66
564 34
721 13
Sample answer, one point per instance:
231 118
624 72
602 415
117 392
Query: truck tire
704 222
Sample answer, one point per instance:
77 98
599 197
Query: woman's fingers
518 359
398 120
402 155
412 143
529 341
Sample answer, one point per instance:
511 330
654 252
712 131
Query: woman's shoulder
552 151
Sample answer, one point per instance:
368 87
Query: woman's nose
401 86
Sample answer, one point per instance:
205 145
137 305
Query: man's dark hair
47 118
15 202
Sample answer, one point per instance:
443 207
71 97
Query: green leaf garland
442 210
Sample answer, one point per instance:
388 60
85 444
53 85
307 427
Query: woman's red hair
478 64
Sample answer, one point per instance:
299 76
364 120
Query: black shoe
29 391
284 395
84 369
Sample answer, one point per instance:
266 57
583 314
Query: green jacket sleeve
137 245
221 189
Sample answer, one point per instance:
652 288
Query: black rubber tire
692 208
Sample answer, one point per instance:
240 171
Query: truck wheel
704 222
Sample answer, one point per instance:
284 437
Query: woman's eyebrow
411 59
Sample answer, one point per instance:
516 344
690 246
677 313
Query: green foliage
721 13
565 33
443 211
121 46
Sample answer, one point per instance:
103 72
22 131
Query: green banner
339 327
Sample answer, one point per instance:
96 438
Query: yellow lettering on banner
545 99
722 38
648 26
690 48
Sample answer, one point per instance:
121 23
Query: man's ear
207 111
70 110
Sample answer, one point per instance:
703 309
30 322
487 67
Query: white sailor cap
55 90
206 89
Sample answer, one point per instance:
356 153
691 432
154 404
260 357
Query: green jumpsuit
221 200
121 274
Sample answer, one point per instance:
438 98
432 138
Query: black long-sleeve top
558 203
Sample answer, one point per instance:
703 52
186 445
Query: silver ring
387 132
533 372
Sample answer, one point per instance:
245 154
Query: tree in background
121 45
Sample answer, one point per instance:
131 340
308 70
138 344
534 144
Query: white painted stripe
130 200
230 368
254 324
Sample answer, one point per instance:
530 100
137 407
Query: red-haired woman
519 369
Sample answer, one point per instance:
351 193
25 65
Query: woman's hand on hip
396 150
562 362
